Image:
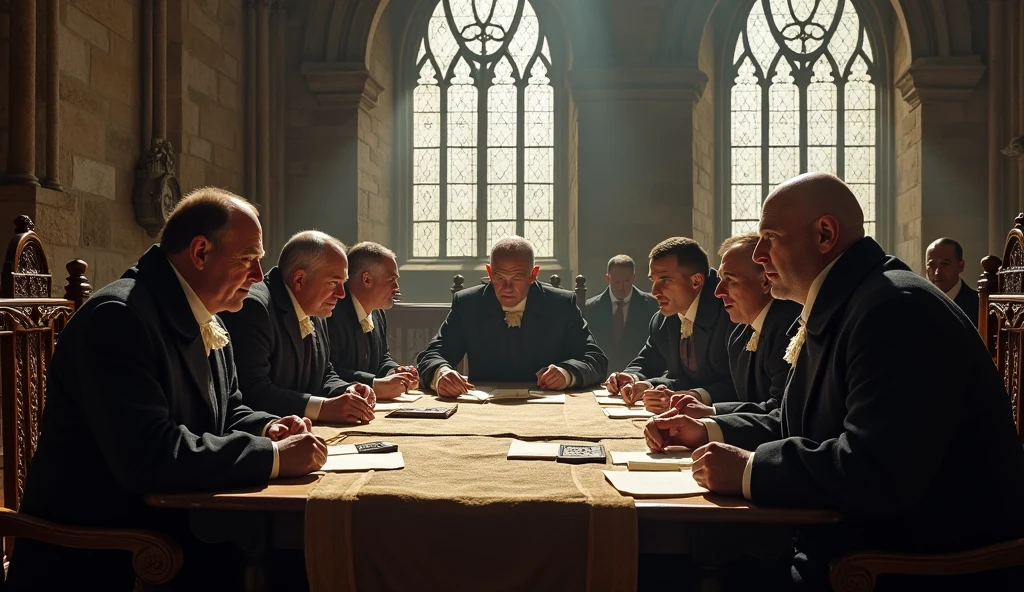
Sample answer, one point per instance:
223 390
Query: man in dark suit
873 422
359 328
514 330
686 344
619 316
945 262
281 338
757 344
142 397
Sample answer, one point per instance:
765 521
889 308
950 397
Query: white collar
517 308
625 301
691 313
199 310
956 290
299 313
812 293
360 311
759 321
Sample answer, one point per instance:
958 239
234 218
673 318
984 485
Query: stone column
952 170
651 189
52 96
21 153
263 123
996 101
250 100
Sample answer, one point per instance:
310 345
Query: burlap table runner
579 418
462 517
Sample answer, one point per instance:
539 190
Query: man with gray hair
359 330
281 340
514 329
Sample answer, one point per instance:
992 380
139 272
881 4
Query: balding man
874 421
513 329
142 397
756 346
359 327
619 316
944 261
280 335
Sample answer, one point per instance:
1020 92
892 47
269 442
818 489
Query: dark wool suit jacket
601 319
553 332
134 406
270 353
659 362
874 420
358 356
759 377
967 300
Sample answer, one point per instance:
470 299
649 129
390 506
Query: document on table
474 396
626 413
363 462
496 395
389 406
408 397
533 450
654 483
676 455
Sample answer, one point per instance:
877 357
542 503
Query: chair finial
23 224
1018 222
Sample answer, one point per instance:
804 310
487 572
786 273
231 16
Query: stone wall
703 152
907 224
376 140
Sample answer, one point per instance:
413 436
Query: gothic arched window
483 131
804 98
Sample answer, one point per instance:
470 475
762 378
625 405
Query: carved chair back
30 323
1001 315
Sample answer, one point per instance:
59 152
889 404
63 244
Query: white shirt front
955 291
625 305
361 314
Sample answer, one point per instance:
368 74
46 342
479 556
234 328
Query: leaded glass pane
860 164
524 44
742 226
426 165
746 202
746 165
501 165
499 230
501 115
538 165
461 239
539 202
541 234
426 202
501 203
425 239
462 165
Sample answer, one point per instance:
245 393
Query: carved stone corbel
156 187
1015 148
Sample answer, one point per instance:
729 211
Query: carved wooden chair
30 324
1001 324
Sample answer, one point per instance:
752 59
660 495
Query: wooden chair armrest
856 572
156 558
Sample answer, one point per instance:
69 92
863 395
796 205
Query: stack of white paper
389 406
654 483
533 450
675 455
408 397
626 413
385 461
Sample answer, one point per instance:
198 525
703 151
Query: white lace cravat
514 318
305 327
796 344
752 343
367 324
686 328
214 336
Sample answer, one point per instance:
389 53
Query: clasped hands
355 405
393 385
656 399
299 450
717 466
453 384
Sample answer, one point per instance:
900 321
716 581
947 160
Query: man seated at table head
513 329
359 327
756 346
944 261
282 347
142 397
894 413
686 344
619 316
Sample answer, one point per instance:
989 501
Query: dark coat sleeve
749 430
649 364
251 336
341 342
130 419
778 373
721 388
447 348
239 416
897 427
588 364
386 363
333 384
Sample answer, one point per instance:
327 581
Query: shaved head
806 223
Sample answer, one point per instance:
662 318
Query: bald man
894 413
944 262
514 329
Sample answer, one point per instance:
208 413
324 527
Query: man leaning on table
513 329
894 413
281 340
142 397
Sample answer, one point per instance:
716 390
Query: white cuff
746 476
713 410
277 462
714 430
569 378
313 408
438 375
705 397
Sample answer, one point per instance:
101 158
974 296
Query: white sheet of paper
364 462
675 456
532 450
602 393
626 413
408 397
341 449
614 400
389 406
654 483
546 398
474 396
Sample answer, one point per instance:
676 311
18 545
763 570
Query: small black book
577 454
424 412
